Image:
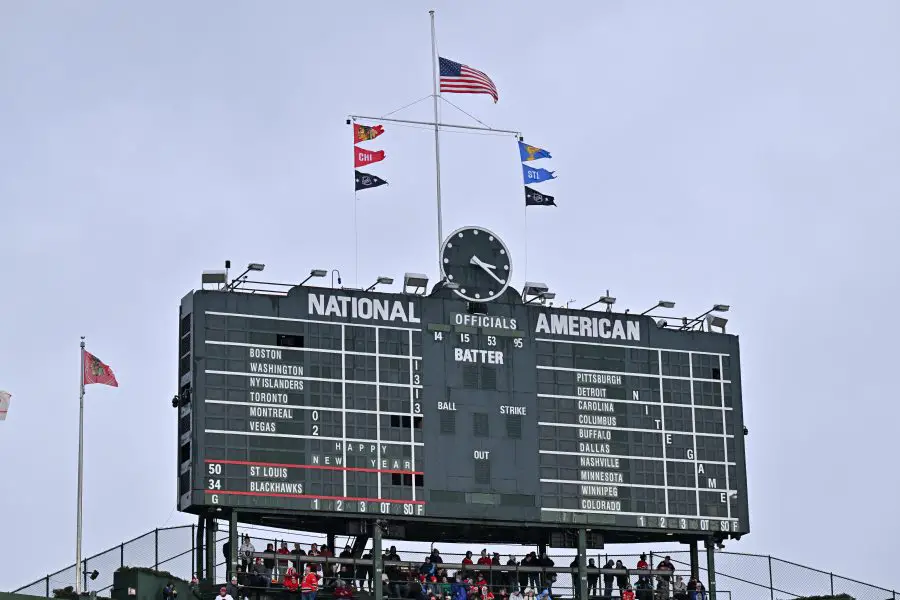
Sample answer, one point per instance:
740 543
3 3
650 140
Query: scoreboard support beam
695 559
210 571
377 561
198 544
711 567
232 544
582 565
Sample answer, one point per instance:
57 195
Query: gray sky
706 152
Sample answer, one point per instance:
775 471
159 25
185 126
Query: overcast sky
744 153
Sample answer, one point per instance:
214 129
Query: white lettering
512 410
602 420
447 406
599 378
590 392
481 454
595 434
269 398
596 406
276 487
262 426
367 308
584 326
275 369
601 477
604 462
265 353
484 321
269 472
295 385
470 355
271 412
591 448
604 505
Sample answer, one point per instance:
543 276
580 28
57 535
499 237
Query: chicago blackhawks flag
361 133
363 157
96 371
4 404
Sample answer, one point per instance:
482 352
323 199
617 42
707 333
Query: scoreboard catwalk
438 408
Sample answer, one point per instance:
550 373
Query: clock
477 261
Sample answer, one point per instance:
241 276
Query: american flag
460 79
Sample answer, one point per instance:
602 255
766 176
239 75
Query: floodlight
660 304
716 321
720 308
214 277
381 280
541 297
607 300
548 295
314 273
662 323
256 267
533 288
417 281
243 276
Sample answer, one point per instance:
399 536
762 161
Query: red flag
363 157
96 371
361 133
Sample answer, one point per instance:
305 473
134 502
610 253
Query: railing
746 576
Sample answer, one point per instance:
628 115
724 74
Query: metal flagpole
437 143
78 574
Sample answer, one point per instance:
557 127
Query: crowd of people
484 578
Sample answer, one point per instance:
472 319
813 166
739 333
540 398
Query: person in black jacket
608 579
622 580
592 578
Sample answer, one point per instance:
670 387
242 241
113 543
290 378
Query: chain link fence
738 576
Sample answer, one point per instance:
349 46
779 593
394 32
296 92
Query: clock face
478 261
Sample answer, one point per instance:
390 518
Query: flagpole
78 574
437 143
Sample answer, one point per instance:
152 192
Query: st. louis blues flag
532 152
532 175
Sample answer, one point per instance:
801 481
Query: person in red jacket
310 584
291 581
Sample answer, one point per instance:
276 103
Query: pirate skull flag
96 371
365 181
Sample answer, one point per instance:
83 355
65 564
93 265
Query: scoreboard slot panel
343 402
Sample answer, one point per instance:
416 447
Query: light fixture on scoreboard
243 276
533 289
216 278
698 320
417 281
542 297
382 280
660 304
715 321
314 273
607 300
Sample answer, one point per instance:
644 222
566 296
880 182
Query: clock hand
487 268
477 261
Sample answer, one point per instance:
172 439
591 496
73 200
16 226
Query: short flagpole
437 143
78 574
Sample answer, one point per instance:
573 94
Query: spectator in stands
169 592
700 593
484 561
592 579
680 588
608 579
394 574
195 583
343 592
346 570
313 551
458 589
664 580
627 593
496 574
226 551
310 584
246 552
623 581
283 562
443 588
576 588
516 595
364 573
643 589
234 589
525 579
258 576
436 557
510 579
642 564
223 594
466 563
547 576
269 562
291 580
415 591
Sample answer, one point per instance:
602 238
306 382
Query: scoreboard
465 405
